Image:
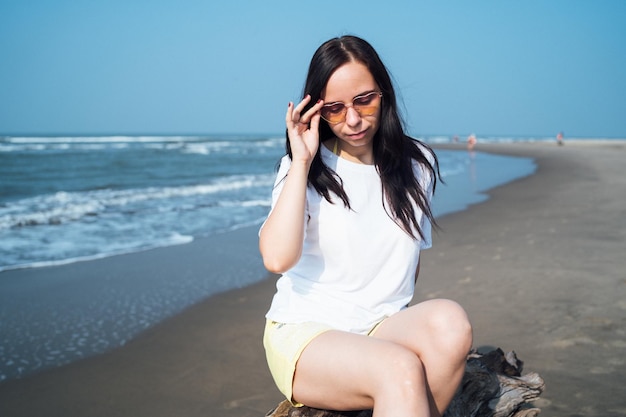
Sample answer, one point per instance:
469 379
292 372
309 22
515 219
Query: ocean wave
64 207
189 144
96 139
172 240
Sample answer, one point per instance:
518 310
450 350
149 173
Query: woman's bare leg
439 332
412 366
344 371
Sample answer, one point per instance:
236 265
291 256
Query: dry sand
540 268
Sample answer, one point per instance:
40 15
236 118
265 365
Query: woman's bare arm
282 236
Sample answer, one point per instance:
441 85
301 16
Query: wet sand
540 268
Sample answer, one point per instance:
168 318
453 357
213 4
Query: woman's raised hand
303 130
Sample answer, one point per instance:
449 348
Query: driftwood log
493 385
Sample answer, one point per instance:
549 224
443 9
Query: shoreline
102 304
537 266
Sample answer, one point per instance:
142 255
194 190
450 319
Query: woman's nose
352 117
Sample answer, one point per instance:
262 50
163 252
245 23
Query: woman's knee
450 324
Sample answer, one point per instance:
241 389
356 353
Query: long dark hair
394 151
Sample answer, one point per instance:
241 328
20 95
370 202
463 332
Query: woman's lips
359 135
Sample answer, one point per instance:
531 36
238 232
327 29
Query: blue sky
530 67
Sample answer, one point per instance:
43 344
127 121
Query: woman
350 213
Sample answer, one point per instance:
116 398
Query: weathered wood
493 386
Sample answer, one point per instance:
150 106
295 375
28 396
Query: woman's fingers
308 116
315 122
303 124
304 119
303 128
289 115
296 113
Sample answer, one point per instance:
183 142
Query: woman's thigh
343 371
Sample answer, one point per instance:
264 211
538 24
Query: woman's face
357 131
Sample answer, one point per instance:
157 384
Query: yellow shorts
284 343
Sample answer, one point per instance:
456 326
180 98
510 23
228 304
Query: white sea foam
172 240
63 207
189 144
97 139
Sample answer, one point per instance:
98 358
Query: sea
66 199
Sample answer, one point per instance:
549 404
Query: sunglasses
365 105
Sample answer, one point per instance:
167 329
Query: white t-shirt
357 266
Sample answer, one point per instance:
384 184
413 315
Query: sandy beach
540 268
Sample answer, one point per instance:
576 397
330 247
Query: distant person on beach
350 213
559 138
471 141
